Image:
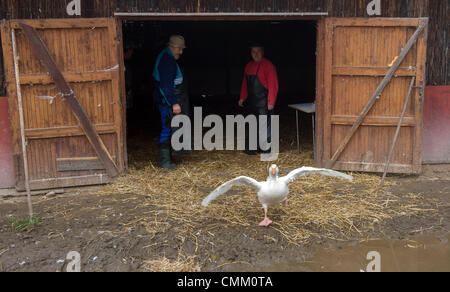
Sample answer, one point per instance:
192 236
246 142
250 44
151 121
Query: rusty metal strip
69 97
376 95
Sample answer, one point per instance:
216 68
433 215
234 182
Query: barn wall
37 9
438 72
2 74
106 8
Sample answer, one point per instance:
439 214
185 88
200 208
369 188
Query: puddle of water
421 254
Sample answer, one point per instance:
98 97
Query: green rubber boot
164 158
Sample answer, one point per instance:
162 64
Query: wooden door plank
376 95
43 55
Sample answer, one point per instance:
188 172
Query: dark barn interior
213 65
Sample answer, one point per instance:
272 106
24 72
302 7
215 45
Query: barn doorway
213 65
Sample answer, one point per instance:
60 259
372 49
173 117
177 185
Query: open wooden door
361 57
59 154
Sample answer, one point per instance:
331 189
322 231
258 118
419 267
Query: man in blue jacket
168 78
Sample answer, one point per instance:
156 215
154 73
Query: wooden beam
69 97
68 131
119 107
374 167
376 95
22 124
373 121
122 93
67 182
63 23
78 163
377 22
397 132
327 90
319 126
220 15
70 77
418 97
372 71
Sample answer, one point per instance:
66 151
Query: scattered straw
182 264
318 207
3 251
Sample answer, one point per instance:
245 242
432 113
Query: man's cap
177 41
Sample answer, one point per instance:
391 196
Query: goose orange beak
274 171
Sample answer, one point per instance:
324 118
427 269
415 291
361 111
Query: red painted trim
436 125
6 156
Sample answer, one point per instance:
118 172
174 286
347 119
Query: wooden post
69 97
376 95
22 124
397 132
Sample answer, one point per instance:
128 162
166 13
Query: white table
309 108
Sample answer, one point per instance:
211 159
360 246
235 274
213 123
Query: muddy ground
103 229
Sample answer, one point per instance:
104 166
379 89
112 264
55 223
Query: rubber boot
164 157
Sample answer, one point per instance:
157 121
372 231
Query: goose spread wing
239 181
304 171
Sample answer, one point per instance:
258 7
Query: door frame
319 17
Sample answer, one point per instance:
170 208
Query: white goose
274 190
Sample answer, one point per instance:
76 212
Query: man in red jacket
259 89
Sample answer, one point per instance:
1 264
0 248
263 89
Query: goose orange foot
266 222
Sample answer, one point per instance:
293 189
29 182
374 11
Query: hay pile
320 207
181 264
